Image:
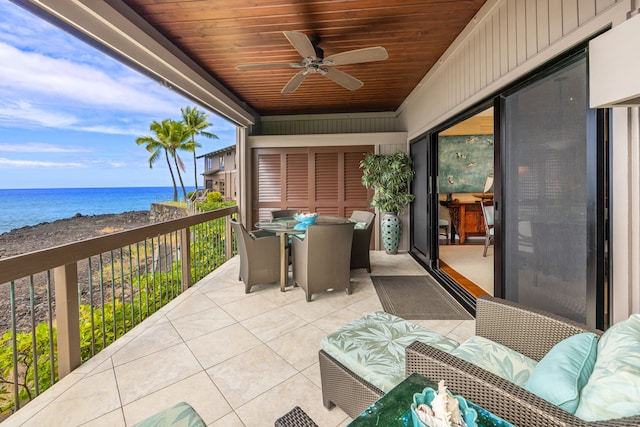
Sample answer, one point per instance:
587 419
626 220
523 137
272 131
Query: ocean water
22 207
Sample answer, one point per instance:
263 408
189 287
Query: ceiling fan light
313 62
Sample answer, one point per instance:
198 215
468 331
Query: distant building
220 172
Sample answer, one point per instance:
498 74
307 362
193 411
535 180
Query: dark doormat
417 297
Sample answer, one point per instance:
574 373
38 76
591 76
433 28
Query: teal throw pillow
559 377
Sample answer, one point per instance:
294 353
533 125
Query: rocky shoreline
50 234
68 230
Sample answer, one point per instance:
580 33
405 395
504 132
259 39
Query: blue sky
70 115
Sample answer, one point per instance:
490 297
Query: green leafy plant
26 360
214 196
213 204
389 176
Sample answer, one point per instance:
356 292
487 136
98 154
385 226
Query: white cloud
116 130
40 147
37 164
20 112
66 82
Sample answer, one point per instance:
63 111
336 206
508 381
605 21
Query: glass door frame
598 170
599 151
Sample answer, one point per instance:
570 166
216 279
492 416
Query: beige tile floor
238 359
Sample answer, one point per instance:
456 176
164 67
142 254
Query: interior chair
286 213
361 244
487 214
444 222
321 261
259 257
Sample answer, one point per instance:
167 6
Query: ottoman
366 358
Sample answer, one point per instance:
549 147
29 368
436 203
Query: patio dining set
321 254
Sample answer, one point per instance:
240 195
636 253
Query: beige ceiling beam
115 28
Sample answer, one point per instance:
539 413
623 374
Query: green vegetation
172 136
196 123
389 175
214 201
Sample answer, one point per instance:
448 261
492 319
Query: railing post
67 318
228 239
185 258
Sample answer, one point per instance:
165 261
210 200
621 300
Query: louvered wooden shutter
267 182
326 180
297 181
326 187
356 195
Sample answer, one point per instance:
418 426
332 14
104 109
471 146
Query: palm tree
158 144
178 139
196 122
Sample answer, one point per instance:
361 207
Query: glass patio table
283 227
394 408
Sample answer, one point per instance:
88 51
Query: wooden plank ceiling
222 34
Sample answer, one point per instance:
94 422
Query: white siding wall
625 215
509 39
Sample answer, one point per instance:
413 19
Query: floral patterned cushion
373 347
497 359
613 390
179 415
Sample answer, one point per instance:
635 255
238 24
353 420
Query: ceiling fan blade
294 83
301 43
343 79
267 65
368 54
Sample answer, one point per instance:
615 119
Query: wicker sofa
528 331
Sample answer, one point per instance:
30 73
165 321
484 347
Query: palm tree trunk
173 178
184 192
195 165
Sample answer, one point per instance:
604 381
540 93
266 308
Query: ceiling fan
313 61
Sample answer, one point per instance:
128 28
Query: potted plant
389 176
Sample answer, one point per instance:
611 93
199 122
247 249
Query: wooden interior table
467 219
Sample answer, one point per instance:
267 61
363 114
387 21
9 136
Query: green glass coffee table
394 408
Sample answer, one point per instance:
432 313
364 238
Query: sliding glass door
421 212
550 215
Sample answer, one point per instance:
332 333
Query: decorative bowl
305 220
469 415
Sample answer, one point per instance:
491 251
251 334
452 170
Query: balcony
238 359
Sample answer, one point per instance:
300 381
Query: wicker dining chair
321 261
360 247
259 257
